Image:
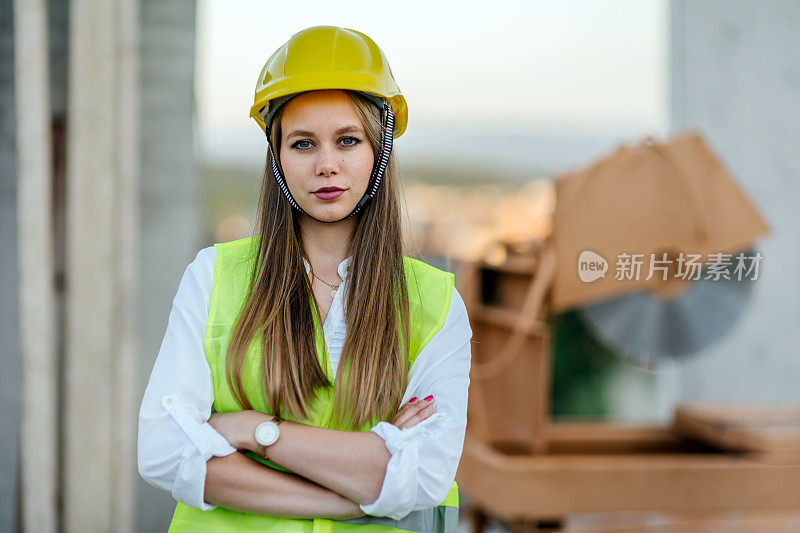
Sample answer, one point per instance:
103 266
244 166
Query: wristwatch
267 434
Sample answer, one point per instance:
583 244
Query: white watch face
267 433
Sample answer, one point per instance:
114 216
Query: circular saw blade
642 327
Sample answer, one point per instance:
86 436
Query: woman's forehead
322 100
328 110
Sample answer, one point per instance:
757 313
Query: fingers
421 415
414 411
408 410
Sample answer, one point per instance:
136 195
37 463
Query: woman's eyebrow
305 133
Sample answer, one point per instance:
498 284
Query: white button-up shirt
175 439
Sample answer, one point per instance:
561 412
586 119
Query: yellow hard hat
328 57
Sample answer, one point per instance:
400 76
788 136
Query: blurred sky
499 78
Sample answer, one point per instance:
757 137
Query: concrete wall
735 76
170 234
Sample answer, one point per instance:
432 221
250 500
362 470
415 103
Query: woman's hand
414 412
238 427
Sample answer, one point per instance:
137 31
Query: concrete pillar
170 229
99 406
36 290
735 76
10 377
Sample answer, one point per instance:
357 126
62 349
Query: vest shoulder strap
430 291
232 269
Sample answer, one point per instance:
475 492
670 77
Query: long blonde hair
374 355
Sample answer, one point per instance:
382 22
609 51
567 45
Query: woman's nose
327 163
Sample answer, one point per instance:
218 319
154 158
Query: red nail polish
429 397
414 399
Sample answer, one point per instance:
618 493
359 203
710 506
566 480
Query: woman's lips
328 195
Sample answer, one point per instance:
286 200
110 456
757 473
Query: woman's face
325 154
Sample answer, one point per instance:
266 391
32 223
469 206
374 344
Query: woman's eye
298 143
353 140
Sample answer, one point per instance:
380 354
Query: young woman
337 367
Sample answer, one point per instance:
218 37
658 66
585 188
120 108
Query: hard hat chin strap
387 135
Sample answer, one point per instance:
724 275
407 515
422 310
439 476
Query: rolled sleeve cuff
189 485
399 490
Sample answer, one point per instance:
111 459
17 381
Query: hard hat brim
357 81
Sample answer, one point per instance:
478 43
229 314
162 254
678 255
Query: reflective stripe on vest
429 294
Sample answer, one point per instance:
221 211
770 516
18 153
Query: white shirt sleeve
175 439
425 457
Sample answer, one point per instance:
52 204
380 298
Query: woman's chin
329 213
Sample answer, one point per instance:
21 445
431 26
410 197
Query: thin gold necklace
333 287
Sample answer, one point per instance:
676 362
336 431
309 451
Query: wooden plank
544 486
771 430
37 299
660 522
613 437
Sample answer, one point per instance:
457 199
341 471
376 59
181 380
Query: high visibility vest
429 291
